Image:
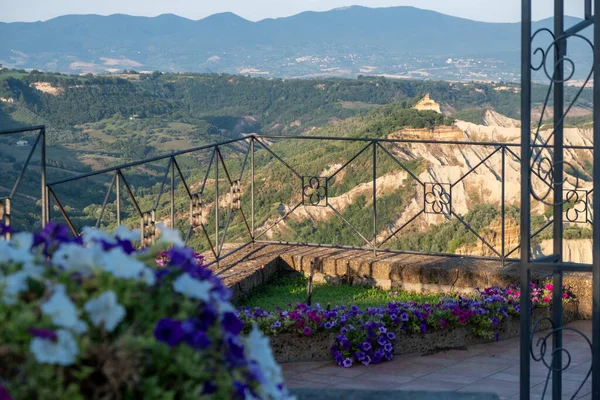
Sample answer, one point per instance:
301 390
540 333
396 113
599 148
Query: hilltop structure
427 103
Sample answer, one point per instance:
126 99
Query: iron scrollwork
543 165
437 198
576 206
314 191
542 346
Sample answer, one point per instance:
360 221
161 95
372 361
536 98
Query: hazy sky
481 10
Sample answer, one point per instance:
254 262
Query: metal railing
311 190
7 202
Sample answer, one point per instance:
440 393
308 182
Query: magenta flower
306 330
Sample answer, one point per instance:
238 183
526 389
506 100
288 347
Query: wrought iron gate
543 160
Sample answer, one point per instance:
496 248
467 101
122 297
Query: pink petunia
546 299
549 286
565 295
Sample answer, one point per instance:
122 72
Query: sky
254 10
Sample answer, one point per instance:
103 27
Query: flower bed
371 336
94 318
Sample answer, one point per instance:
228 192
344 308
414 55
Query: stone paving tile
303 366
432 385
514 377
379 377
332 369
569 387
307 377
461 378
405 368
491 367
490 385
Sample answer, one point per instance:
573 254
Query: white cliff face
574 250
473 172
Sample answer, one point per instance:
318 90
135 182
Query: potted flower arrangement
93 317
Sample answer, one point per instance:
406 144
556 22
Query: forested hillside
96 122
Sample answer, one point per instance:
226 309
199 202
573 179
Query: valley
99 122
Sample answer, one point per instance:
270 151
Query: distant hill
402 41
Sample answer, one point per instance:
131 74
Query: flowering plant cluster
368 336
93 317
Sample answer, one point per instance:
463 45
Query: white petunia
62 310
192 288
105 310
13 284
90 235
257 349
63 351
148 276
23 240
170 236
13 254
124 233
121 265
74 258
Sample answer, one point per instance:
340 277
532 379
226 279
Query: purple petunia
365 346
198 340
377 357
47 334
4 394
404 317
347 363
169 331
232 324
391 335
306 330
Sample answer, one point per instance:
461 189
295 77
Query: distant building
22 143
135 116
427 103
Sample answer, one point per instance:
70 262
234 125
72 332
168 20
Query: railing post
375 199
596 212
252 186
309 286
172 193
218 156
118 193
525 273
45 217
557 275
5 216
503 206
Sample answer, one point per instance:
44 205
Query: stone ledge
251 267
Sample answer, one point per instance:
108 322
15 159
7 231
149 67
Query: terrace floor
491 367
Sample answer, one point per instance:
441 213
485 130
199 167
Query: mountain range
402 42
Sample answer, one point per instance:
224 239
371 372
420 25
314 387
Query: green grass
282 291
